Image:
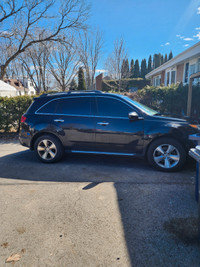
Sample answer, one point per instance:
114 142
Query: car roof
75 93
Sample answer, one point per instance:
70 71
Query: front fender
175 130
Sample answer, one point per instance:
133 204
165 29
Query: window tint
112 107
49 107
74 106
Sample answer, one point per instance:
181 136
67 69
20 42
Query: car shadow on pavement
151 206
84 168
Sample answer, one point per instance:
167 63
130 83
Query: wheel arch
36 136
180 140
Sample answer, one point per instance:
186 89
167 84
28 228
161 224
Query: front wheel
166 154
48 149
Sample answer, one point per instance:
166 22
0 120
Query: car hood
168 119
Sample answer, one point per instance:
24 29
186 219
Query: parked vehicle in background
103 123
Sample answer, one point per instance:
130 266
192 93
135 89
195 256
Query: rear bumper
25 140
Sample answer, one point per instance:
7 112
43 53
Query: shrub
169 100
126 84
11 110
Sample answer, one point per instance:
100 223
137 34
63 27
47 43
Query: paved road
95 211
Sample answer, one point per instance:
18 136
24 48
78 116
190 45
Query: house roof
185 55
16 84
6 87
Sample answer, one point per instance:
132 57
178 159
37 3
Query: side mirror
134 116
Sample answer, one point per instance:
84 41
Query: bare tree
114 61
35 61
9 8
63 64
34 22
90 48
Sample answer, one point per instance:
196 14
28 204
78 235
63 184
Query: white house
23 86
30 90
7 90
178 69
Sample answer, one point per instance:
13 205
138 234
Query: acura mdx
104 123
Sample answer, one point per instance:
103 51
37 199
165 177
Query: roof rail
72 92
86 91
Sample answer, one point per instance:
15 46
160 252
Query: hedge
126 84
169 100
11 110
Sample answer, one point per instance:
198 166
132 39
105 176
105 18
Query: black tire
166 154
48 149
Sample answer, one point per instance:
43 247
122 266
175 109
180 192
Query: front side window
109 107
74 106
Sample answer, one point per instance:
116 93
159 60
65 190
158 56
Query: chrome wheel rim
166 156
46 149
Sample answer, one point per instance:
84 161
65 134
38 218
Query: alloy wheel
166 156
47 149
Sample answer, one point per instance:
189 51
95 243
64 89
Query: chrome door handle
103 123
59 120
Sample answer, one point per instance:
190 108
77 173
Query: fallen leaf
13 258
4 245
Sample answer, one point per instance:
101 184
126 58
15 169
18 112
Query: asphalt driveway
95 211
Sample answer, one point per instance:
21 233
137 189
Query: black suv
103 123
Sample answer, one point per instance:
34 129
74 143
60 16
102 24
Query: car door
115 132
74 117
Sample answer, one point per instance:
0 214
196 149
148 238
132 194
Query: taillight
23 119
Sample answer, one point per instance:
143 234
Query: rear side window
109 107
74 106
49 107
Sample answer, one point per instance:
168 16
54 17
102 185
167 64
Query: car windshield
140 106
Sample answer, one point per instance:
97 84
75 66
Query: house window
186 72
198 65
157 80
168 73
192 69
173 76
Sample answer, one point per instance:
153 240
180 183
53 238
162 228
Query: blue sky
147 26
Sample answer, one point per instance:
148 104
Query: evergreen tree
132 69
166 58
73 86
143 68
81 80
149 64
161 60
136 69
170 55
156 60
125 69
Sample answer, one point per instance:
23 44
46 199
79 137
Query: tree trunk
119 85
2 72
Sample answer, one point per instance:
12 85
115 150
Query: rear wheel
166 154
48 149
